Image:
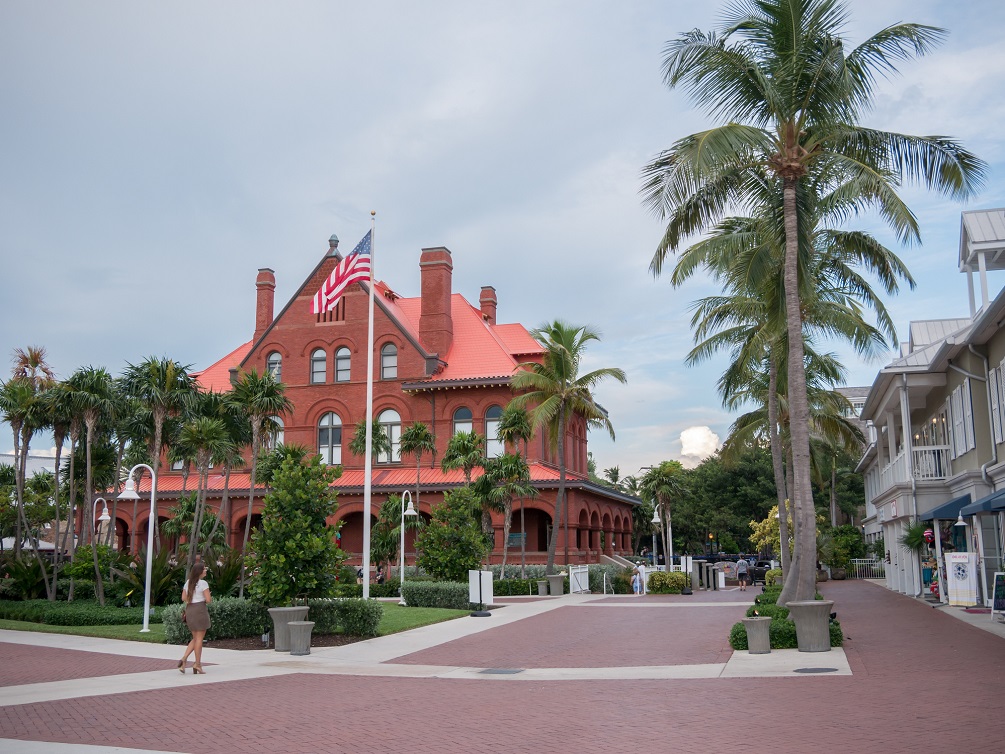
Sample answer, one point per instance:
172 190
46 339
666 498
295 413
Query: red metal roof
216 377
390 476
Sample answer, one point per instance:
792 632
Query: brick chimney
265 305
436 327
488 303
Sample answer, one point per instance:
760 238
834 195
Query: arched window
342 362
390 422
494 447
275 437
274 365
389 362
330 439
462 420
319 367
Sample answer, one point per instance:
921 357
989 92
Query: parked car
758 570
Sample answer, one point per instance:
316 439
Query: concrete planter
812 619
300 637
758 636
542 588
281 618
556 582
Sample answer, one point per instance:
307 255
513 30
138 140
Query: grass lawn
396 619
130 632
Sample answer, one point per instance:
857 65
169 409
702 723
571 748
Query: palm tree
779 74
465 451
559 394
514 428
506 477
164 388
380 441
91 394
209 437
663 484
416 440
259 397
58 408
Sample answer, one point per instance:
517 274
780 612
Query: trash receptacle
542 588
300 637
758 635
557 583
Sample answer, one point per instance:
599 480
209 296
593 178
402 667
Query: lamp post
410 511
129 493
655 522
94 543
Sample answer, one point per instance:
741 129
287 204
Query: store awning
947 511
993 502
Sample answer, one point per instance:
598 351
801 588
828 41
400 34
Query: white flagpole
368 463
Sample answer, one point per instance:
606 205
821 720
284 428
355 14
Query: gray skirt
197 616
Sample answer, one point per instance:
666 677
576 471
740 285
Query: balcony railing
931 462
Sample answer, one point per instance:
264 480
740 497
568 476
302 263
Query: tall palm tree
415 441
792 93
259 397
664 484
58 408
164 387
380 441
559 394
515 428
91 394
209 437
507 476
465 451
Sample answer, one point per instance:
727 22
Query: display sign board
961 578
480 587
998 594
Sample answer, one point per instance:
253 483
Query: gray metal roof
983 231
927 331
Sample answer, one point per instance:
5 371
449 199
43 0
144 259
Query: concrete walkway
571 664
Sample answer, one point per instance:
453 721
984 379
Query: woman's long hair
193 578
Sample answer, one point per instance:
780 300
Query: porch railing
867 568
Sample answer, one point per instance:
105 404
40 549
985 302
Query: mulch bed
255 642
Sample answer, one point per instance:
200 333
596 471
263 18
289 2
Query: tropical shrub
666 582
294 554
359 617
230 617
225 572
166 580
452 543
774 576
24 576
448 594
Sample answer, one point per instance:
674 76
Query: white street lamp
410 511
655 522
94 537
129 493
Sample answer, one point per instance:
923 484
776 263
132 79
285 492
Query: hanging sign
961 578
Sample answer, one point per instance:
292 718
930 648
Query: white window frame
994 391
389 421
330 453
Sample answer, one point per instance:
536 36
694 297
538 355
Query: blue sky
156 155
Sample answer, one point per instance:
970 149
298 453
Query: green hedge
230 618
76 613
514 587
768 611
449 594
666 582
387 589
359 617
782 633
773 577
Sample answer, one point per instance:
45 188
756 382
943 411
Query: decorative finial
373 213
333 241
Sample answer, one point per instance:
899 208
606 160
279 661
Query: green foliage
166 579
359 617
774 576
24 576
846 543
666 582
225 572
82 566
452 543
782 634
773 610
913 538
230 618
83 589
76 613
514 587
294 554
387 589
447 594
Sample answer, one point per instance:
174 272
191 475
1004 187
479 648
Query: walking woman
195 596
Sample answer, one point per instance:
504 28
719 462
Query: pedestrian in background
196 598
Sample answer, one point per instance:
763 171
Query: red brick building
438 360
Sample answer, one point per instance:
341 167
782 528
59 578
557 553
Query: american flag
353 268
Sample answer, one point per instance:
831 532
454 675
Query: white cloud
698 442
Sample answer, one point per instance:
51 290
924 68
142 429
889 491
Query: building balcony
930 463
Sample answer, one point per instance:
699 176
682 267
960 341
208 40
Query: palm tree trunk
113 529
224 504
251 497
777 463
58 438
507 521
18 487
99 584
523 524
559 498
834 514
800 582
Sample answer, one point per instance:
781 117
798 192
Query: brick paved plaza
596 674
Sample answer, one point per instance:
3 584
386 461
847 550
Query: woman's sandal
181 667
197 670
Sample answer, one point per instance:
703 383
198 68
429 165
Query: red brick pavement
922 681
22 664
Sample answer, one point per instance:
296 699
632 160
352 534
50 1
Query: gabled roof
216 377
983 230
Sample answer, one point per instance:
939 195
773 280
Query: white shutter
994 377
968 414
959 432
950 436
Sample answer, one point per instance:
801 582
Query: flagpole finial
373 213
